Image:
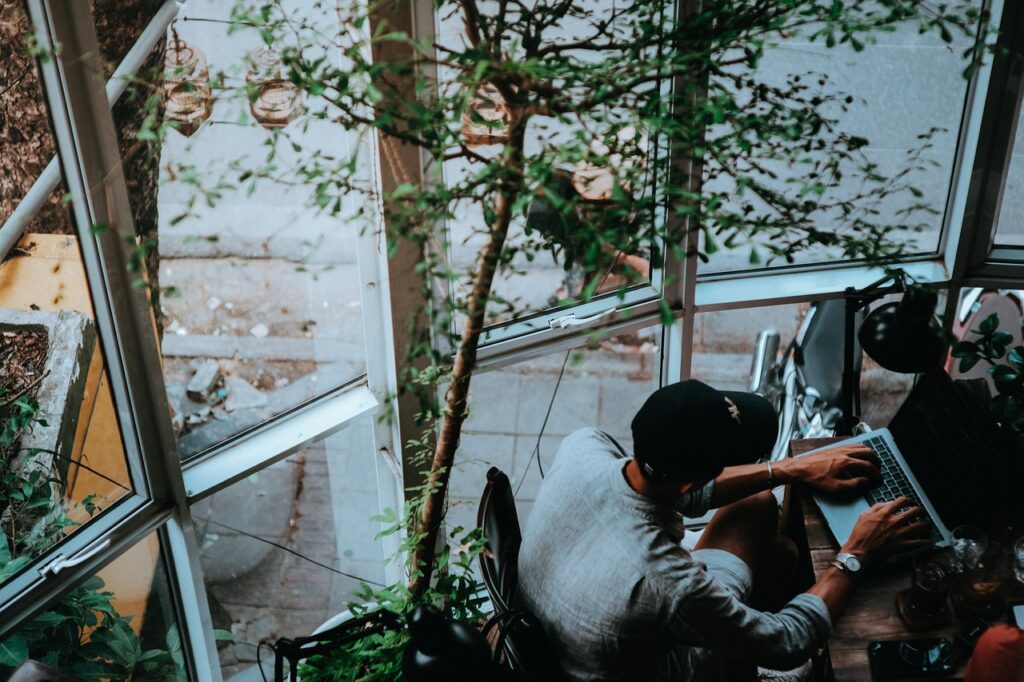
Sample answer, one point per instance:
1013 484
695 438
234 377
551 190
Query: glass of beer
982 583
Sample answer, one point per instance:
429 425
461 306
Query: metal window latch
392 462
61 561
571 320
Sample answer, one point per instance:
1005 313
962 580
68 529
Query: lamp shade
905 337
440 649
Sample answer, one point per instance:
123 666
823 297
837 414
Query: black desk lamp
903 337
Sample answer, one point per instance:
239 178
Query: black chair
296 649
521 638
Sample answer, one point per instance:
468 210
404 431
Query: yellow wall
50 276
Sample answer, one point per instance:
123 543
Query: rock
203 381
260 331
61 393
242 395
198 417
245 652
261 630
213 303
175 397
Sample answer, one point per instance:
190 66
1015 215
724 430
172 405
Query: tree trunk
26 141
462 371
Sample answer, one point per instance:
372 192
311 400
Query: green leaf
49 619
122 642
1002 338
173 639
1004 375
13 567
968 362
403 190
963 349
13 651
223 636
154 656
989 324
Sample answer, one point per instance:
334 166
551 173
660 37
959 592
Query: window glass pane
900 87
120 624
260 302
724 344
62 459
26 141
285 549
1010 222
548 261
601 386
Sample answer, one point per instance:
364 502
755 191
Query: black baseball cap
688 432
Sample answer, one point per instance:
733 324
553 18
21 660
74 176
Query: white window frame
165 486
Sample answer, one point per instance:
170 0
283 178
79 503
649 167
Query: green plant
33 513
1005 365
82 633
455 589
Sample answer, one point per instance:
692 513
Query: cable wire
543 426
287 549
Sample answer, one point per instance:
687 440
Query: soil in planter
22 362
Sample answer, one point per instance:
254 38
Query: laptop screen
956 450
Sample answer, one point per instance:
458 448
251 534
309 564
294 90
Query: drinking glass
1018 560
969 544
982 582
929 587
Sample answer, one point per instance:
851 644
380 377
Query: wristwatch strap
842 567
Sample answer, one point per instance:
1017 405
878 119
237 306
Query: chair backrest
499 521
526 647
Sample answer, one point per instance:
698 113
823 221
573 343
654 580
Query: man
603 568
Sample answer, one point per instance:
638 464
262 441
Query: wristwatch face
851 562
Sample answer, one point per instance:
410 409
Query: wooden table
871 614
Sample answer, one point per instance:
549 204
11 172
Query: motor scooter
805 382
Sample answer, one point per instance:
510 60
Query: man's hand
842 469
888 528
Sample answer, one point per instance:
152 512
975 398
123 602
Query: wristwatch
847 563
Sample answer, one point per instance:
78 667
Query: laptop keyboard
894 482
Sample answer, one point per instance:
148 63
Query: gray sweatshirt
602 567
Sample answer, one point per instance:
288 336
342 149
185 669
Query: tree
630 128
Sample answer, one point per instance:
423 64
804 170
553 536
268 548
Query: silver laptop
841 512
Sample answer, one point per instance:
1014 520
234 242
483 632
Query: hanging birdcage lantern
487 119
596 183
273 99
188 100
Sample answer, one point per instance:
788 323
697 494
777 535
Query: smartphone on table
1017 614
911 659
